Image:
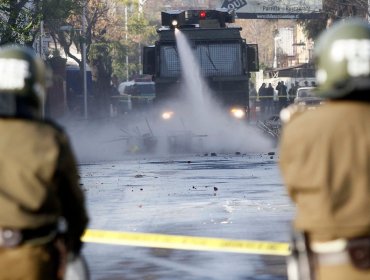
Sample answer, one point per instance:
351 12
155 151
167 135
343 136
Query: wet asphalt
234 196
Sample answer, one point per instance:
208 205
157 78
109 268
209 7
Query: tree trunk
102 86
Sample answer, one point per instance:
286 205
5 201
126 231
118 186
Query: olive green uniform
38 185
325 163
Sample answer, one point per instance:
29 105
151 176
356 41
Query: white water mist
206 116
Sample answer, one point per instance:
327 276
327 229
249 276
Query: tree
20 19
17 21
141 30
334 10
106 47
93 31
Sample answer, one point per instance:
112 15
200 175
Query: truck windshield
215 59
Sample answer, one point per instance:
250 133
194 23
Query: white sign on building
271 9
286 43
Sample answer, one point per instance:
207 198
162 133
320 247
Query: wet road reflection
228 196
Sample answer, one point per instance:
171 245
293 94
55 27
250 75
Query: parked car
306 97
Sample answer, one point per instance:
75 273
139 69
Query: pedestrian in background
282 92
325 158
292 92
269 100
252 100
262 97
43 212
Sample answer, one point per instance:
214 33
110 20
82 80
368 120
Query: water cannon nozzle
173 18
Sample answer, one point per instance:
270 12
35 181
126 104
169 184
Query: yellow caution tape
181 242
142 97
132 97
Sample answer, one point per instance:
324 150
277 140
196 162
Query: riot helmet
22 82
342 58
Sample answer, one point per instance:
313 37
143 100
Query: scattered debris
272 126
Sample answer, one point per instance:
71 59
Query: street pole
41 56
141 6
84 60
126 29
41 38
275 51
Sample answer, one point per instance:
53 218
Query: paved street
235 196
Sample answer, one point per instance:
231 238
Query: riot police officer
43 211
325 157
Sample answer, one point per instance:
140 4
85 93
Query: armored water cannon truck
224 57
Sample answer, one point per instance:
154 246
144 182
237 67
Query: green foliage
137 25
118 53
53 10
313 28
334 10
17 22
139 29
141 32
129 3
20 20
100 52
